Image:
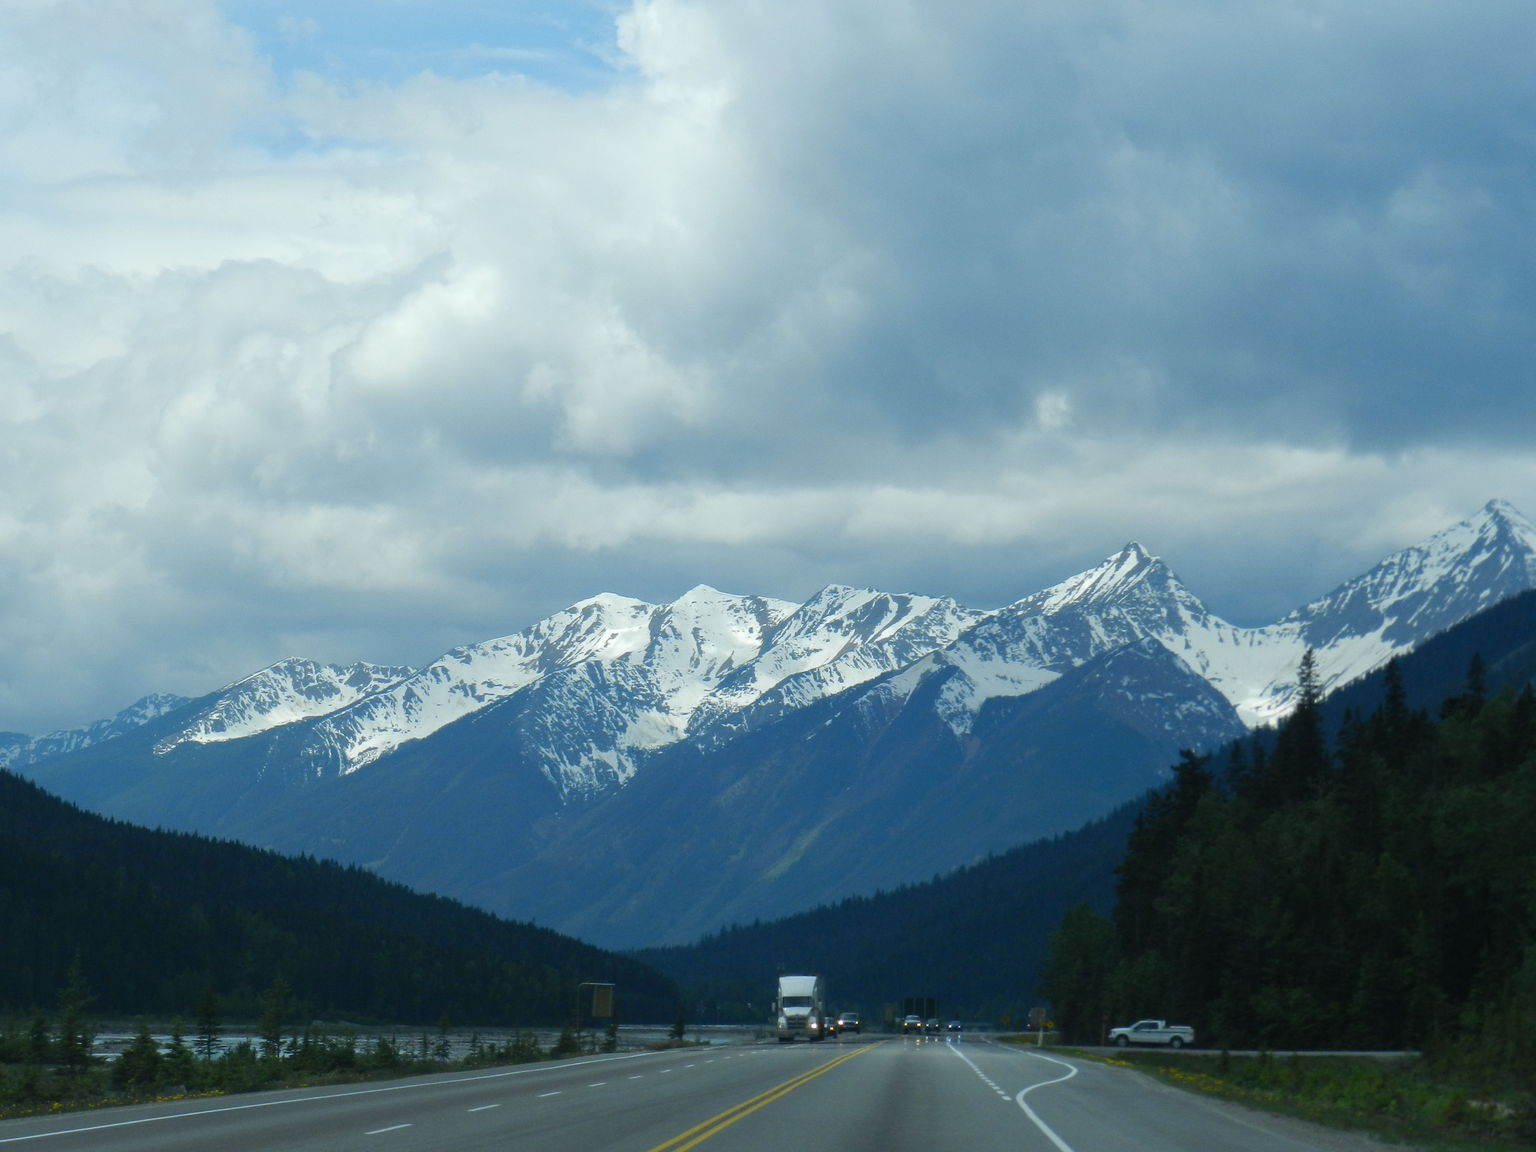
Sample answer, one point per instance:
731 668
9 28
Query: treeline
48 1065
973 939
157 919
1368 885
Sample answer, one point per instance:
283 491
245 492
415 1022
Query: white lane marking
637 1077
599 1084
407 1087
391 1128
485 1107
985 1079
1030 1112
556 1092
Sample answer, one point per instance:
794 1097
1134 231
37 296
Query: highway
876 1094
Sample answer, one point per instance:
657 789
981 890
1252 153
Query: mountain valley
641 774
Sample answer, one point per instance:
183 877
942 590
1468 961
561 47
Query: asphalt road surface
853 1094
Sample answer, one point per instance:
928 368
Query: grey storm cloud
942 298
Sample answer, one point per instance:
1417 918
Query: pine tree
274 1009
75 1039
178 1065
39 1044
207 1043
1299 765
1077 973
138 1068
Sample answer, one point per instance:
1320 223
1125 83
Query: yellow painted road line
702 1132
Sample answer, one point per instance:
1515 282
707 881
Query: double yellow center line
702 1132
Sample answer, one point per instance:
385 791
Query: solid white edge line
409 1086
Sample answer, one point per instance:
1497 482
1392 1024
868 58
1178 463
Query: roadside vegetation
49 1066
1362 889
1410 1100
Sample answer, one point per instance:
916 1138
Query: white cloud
957 297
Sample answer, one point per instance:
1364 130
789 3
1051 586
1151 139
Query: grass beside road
1409 1100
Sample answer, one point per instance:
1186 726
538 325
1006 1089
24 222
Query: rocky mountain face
640 773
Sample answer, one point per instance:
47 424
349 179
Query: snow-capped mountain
840 638
17 750
595 687
491 773
611 679
656 663
284 693
1358 627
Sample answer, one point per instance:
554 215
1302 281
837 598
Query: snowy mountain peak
595 687
284 693
1426 588
1132 574
17 750
1501 525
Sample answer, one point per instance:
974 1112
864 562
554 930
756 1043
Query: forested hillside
1364 886
974 939
156 919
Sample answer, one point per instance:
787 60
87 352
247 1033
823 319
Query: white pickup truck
1152 1032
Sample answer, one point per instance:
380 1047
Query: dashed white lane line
391 1128
985 1079
485 1107
556 1092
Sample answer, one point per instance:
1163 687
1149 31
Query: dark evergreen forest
158 919
1368 883
973 939
1364 875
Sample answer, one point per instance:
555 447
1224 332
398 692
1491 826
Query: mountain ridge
487 773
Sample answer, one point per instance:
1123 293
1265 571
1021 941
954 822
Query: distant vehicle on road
849 1022
1152 1032
932 1027
801 1008
912 1024
954 1026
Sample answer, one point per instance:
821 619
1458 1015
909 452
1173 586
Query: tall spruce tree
75 1037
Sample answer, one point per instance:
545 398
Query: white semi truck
801 1008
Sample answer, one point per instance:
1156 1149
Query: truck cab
800 1008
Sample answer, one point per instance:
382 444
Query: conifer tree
208 1025
75 1039
274 1009
38 1040
1077 971
138 1068
178 1065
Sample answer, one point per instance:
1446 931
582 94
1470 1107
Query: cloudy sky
358 329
